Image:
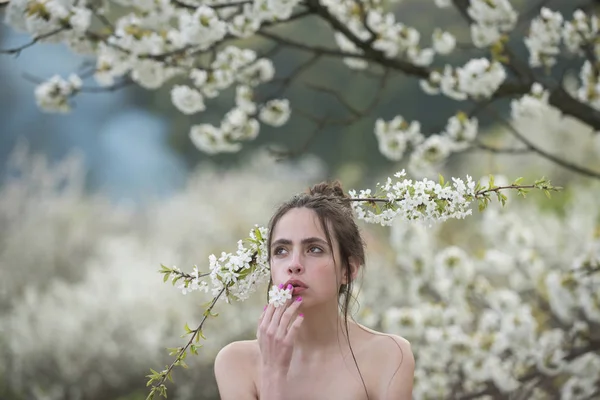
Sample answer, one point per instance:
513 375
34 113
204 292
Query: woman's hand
277 331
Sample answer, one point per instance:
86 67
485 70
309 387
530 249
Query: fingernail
301 315
281 286
265 308
299 298
290 287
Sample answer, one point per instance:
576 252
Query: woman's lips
297 290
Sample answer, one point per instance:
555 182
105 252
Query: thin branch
196 332
373 55
286 82
477 145
281 155
18 50
182 4
306 47
338 97
84 89
543 153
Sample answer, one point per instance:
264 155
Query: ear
354 266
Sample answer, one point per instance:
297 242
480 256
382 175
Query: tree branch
306 47
373 55
217 6
543 153
18 50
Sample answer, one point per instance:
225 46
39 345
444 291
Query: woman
307 349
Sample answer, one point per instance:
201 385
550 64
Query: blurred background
93 201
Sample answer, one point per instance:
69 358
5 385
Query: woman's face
299 251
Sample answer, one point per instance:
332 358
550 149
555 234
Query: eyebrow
303 241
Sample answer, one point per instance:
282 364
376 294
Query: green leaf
165 268
441 179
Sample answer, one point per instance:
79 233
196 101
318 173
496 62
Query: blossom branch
157 379
214 6
543 153
18 50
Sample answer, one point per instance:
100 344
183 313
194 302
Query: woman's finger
278 313
294 328
287 316
266 317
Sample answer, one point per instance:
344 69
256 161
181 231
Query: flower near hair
278 296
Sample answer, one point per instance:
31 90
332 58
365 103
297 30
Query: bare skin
301 351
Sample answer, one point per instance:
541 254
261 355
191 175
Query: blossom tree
200 49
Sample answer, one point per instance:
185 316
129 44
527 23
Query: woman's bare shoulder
233 368
391 362
245 351
386 345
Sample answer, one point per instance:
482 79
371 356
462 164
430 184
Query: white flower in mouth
278 296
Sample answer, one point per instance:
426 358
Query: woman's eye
316 249
279 250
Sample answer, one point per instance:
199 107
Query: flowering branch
557 160
17 50
157 379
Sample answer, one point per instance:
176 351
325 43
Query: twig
337 95
543 153
214 6
313 49
196 332
497 150
18 50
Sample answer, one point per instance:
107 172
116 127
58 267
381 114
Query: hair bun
328 189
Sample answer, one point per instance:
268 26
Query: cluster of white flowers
389 36
544 38
443 42
54 94
238 275
278 295
424 200
580 31
491 19
510 306
478 78
589 91
396 136
534 104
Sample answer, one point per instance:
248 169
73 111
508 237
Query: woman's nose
295 266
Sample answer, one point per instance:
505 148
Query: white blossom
211 140
461 131
275 112
479 78
187 100
53 95
443 42
394 136
278 296
544 38
534 104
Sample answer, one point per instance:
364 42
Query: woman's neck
323 329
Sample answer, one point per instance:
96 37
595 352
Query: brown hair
332 207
